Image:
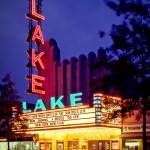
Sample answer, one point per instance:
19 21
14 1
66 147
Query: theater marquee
58 118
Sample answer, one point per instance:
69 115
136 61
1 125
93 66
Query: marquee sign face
58 118
100 102
35 37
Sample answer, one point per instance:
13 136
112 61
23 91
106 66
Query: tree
116 78
10 108
129 56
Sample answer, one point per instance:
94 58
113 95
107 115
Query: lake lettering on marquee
75 100
36 36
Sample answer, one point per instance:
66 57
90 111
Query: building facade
132 132
67 76
72 128
68 117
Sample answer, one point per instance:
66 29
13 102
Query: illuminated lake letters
75 100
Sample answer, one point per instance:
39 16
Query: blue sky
74 24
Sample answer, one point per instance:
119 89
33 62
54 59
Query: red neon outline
31 17
37 34
35 84
34 13
35 16
36 57
35 87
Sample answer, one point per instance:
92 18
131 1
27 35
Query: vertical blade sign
35 57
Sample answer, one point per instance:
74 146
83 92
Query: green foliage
128 62
132 37
7 90
131 41
10 110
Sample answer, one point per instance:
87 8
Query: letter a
39 105
37 34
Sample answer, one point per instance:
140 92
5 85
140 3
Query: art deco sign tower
35 39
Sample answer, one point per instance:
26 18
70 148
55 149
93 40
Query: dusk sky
74 24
